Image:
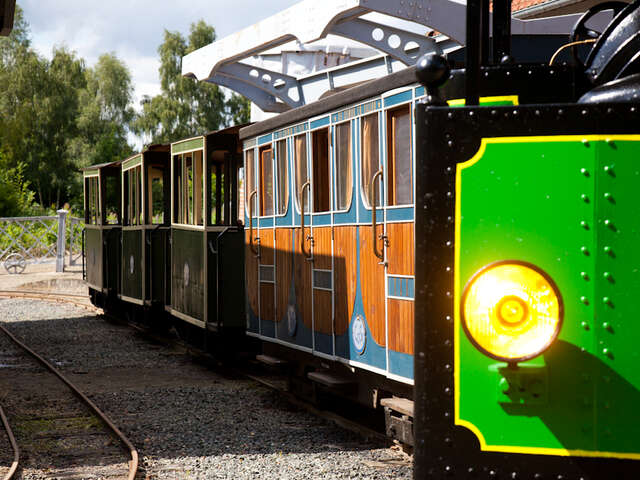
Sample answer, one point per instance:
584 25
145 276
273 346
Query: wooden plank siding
302 279
284 259
322 311
400 321
267 308
372 284
322 247
400 252
266 247
344 276
251 265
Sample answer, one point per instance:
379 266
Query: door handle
374 202
308 255
253 248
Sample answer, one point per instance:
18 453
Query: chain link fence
43 239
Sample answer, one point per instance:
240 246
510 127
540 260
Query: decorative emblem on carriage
132 264
359 334
185 274
292 322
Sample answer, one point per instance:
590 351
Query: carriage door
266 260
368 329
399 244
251 242
321 245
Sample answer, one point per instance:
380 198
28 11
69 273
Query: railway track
54 423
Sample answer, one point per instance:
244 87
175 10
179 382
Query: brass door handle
373 194
308 255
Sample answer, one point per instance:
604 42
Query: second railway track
53 424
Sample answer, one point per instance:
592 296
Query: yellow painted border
461 102
456 361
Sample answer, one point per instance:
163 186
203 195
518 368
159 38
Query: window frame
282 179
390 158
363 193
334 143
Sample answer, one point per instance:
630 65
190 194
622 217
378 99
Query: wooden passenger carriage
103 227
338 284
145 205
206 239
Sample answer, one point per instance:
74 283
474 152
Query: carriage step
271 361
329 380
403 406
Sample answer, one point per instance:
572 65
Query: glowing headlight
511 311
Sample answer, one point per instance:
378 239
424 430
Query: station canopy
298 55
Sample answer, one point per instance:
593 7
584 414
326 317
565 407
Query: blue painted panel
253 324
400 286
320 122
400 214
401 364
323 343
290 131
398 98
266 222
267 328
419 92
321 219
265 139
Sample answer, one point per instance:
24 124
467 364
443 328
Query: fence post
62 230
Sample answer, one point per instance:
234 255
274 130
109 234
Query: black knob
432 70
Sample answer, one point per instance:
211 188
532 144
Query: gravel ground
187 421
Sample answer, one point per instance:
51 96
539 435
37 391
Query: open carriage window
250 184
92 201
344 180
399 168
133 196
219 188
321 190
266 181
155 194
187 176
112 199
370 156
282 173
302 175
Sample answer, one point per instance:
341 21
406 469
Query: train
450 244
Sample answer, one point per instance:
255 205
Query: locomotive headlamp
511 311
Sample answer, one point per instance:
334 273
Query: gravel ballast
186 420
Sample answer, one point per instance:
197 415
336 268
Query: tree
186 108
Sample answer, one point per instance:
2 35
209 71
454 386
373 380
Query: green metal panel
132 264
187 272
132 162
187 145
93 249
111 258
158 254
542 200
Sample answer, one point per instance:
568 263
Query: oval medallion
359 334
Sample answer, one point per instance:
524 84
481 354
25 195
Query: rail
14 445
133 464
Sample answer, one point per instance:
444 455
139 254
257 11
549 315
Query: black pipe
501 30
473 52
484 32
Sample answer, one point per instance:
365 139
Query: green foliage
15 197
186 108
59 115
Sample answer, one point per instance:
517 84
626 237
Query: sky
133 29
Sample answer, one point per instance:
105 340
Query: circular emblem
185 274
359 334
291 320
132 264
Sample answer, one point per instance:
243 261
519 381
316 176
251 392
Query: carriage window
370 155
192 189
112 199
399 169
266 181
343 166
300 145
283 176
92 210
155 194
250 186
321 170
133 196
219 188
177 190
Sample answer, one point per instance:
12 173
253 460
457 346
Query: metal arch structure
228 62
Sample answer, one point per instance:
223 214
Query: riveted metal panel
187 272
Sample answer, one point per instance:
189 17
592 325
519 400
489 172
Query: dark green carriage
207 244
102 230
145 231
